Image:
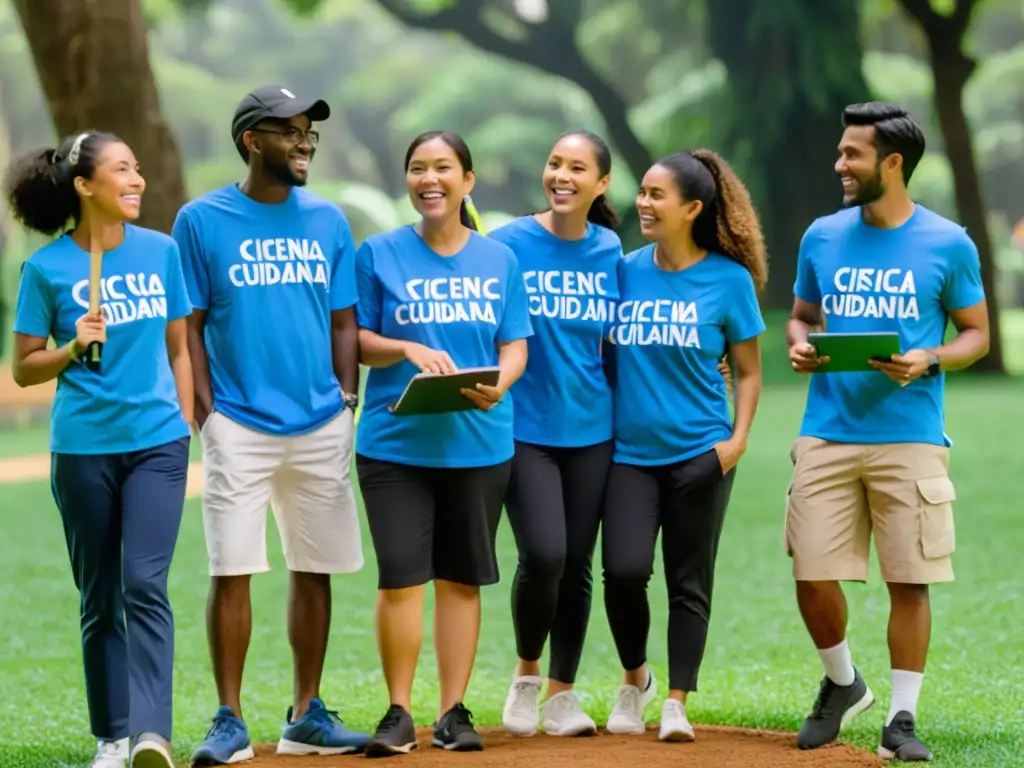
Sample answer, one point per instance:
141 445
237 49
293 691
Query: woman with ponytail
120 434
684 298
435 296
563 428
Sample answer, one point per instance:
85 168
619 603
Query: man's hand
804 358
484 397
905 368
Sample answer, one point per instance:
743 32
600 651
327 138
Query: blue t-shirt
268 277
867 280
464 305
670 331
563 399
131 403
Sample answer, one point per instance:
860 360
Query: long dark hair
40 184
728 223
601 211
461 151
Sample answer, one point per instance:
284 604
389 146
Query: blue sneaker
226 742
319 732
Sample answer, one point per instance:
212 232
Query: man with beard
872 454
274 348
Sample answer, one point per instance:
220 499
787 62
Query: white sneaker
674 725
627 715
151 753
563 716
110 754
521 714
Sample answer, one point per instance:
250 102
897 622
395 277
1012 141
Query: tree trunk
792 69
92 57
951 70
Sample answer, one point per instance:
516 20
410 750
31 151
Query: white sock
906 688
838 664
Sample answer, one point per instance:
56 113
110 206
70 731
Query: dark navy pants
121 516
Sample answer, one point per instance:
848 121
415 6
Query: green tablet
852 351
430 393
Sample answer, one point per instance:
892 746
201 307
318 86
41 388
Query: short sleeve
35 308
962 287
743 319
193 260
368 306
515 317
806 286
344 291
178 304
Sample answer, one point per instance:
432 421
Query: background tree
92 59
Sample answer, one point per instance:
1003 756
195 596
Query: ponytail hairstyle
40 185
727 223
601 211
467 212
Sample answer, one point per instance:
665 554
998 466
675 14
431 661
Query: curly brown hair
728 222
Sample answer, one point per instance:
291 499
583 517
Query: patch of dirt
715 747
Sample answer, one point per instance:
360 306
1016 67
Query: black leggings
554 506
687 501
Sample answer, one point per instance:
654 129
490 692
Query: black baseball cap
275 101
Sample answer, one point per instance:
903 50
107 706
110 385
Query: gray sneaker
899 742
834 708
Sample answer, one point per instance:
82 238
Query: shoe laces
391 718
903 725
108 749
524 698
224 725
329 717
824 694
563 704
459 715
629 699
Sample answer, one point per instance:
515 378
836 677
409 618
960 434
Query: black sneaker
834 708
395 735
899 742
455 731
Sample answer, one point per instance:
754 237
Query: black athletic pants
687 501
554 506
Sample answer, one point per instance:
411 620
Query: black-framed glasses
294 135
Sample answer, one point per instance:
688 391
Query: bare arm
181 366
35 364
345 349
203 391
747 355
803 319
971 342
378 351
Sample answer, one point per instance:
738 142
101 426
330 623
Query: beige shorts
841 493
305 479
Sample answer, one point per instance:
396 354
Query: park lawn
760 668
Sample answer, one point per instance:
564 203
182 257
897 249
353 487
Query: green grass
760 669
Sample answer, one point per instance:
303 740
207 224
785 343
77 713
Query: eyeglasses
294 135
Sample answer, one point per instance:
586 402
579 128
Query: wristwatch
934 367
351 400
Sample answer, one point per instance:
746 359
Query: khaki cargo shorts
842 493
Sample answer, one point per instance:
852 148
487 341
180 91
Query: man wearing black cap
274 347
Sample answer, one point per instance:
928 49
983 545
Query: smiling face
116 186
572 177
436 180
286 148
864 178
664 213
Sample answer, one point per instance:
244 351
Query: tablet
430 393
852 351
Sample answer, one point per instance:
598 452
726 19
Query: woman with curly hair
685 298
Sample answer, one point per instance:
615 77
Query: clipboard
851 351
432 393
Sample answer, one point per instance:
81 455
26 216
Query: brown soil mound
714 748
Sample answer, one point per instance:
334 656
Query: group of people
615 416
